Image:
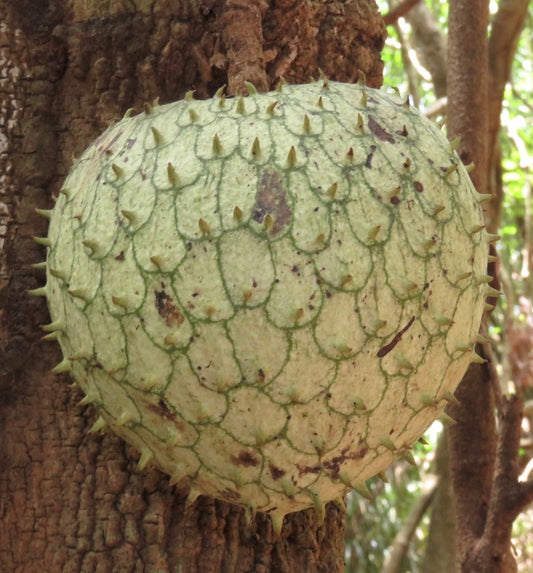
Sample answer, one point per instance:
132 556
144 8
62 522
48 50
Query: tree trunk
483 458
71 500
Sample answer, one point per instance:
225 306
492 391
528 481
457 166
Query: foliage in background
373 524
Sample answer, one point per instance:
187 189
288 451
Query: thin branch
507 25
529 467
437 108
404 536
526 160
399 11
525 491
522 99
410 71
430 44
528 408
243 39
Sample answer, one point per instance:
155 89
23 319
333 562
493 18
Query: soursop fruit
271 297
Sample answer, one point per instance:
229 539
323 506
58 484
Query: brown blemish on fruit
303 470
245 458
271 199
162 409
379 131
333 466
397 337
167 309
275 472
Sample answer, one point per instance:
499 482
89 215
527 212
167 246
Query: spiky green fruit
279 294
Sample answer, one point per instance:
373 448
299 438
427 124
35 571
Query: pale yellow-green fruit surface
271 297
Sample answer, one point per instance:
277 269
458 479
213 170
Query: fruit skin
271 297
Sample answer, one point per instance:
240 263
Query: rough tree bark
73 501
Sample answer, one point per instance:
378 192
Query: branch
410 71
507 25
242 34
509 496
399 11
522 99
404 536
528 469
430 44
437 108
491 553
